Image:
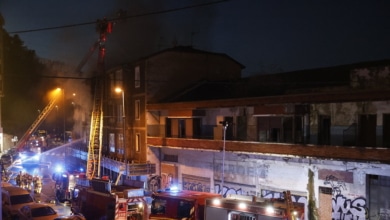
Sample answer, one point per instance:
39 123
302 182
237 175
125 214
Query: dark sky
263 35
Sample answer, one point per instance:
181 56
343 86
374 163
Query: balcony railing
283 149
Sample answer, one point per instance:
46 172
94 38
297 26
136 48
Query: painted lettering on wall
240 172
227 190
343 208
347 209
196 183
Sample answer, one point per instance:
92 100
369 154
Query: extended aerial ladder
42 116
96 133
96 130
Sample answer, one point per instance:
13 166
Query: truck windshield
158 206
20 199
185 209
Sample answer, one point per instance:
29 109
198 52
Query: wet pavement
44 167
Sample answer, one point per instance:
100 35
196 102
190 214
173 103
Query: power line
120 18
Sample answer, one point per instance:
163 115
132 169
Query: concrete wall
268 177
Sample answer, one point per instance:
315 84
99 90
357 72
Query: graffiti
269 194
166 180
335 184
196 183
347 209
196 187
227 190
242 169
154 183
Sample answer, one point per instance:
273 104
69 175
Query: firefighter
19 179
29 181
39 185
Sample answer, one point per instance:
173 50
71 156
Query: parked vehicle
5 184
75 215
13 199
37 211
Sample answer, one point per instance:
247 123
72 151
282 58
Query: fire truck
174 204
252 208
99 198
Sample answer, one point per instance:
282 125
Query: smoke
141 34
73 107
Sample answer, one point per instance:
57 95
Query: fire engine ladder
96 133
289 205
37 122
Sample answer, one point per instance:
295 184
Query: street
45 165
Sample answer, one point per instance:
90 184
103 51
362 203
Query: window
386 130
185 209
116 80
182 128
171 158
324 127
137 78
121 149
20 199
111 142
137 110
158 206
137 142
367 130
120 113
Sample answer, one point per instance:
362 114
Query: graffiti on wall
347 209
154 183
270 194
168 176
196 183
166 180
227 190
336 184
343 208
240 172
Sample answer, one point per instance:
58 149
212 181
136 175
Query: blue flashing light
174 189
58 168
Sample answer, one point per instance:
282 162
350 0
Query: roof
14 190
303 81
187 195
189 49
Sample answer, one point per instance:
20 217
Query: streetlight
119 90
63 113
225 124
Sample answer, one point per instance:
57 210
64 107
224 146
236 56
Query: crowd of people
29 182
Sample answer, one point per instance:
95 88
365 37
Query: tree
22 71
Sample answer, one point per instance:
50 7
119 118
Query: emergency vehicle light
242 205
216 202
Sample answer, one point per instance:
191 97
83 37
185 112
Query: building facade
328 146
323 135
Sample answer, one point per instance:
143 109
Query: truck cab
179 204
